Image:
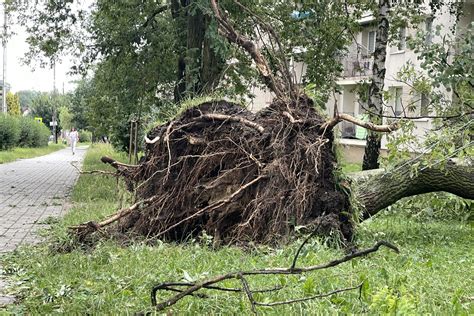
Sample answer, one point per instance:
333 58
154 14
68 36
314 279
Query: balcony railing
347 128
357 66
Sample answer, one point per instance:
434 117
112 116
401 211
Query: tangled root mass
239 176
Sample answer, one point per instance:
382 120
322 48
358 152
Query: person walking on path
74 138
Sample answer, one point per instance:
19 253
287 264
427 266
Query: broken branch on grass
304 299
102 172
339 117
114 217
229 118
314 232
240 275
171 286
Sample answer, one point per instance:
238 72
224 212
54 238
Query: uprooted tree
243 177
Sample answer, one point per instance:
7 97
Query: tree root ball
239 176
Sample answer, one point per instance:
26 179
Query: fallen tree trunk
377 189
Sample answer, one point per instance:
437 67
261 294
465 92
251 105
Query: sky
25 77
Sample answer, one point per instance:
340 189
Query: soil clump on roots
237 175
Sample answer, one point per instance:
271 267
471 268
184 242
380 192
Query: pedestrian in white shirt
74 138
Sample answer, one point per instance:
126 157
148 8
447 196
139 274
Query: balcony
347 128
357 66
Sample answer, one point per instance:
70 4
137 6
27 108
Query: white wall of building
358 68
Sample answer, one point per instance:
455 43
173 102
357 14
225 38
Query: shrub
26 132
41 135
32 133
85 136
9 131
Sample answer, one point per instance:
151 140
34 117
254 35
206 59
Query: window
398 108
371 42
402 39
424 105
429 30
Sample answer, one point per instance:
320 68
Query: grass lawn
23 153
351 167
431 275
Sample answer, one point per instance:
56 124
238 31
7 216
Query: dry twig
101 172
241 275
114 217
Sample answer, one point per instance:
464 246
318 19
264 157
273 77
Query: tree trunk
375 101
212 65
195 39
198 66
179 18
378 189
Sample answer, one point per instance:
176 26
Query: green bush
42 134
85 136
26 132
33 133
9 131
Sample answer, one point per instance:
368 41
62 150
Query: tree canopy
146 56
13 104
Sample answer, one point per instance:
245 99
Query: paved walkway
31 192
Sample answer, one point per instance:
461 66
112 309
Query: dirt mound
238 176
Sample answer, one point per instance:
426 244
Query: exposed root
368 125
222 117
238 176
90 227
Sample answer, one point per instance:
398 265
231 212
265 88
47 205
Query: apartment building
403 101
357 65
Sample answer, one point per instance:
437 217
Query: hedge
22 132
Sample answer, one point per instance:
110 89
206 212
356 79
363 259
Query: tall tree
26 98
13 104
149 49
375 102
65 118
198 65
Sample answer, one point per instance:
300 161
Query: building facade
357 70
403 101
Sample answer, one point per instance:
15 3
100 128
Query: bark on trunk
212 65
379 189
195 39
199 67
375 101
179 18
